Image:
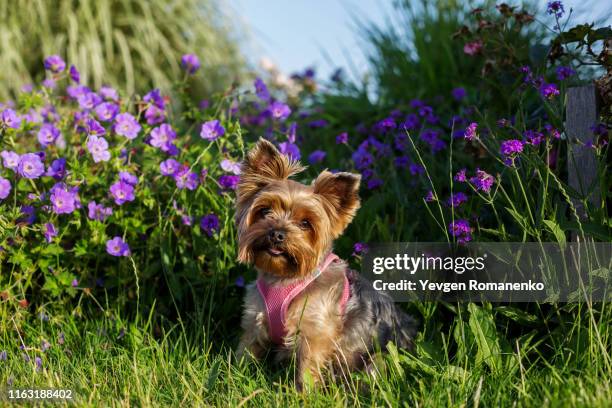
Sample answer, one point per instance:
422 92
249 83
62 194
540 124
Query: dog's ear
341 192
263 164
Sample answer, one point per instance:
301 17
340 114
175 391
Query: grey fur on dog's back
373 315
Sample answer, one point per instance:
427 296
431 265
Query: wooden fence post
581 114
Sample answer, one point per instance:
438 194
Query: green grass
147 366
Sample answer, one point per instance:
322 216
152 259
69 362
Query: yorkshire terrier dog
306 300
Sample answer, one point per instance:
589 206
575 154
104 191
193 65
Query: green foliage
133 45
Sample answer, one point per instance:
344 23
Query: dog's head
285 227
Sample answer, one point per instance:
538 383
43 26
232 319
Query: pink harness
278 299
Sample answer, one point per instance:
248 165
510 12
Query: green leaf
213 374
482 325
556 230
518 315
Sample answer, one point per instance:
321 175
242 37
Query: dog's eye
264 211
305 224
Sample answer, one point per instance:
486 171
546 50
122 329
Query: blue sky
299 33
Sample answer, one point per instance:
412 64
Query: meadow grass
113 362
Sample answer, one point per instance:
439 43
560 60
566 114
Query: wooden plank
581 114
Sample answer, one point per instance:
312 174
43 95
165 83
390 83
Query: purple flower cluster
482 181
510 149
210 224
555 8
98 212
190 63
460 230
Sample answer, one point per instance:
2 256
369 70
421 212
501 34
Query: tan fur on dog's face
284 227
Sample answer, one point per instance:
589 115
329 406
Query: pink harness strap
278 299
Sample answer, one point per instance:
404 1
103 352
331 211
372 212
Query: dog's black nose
276 236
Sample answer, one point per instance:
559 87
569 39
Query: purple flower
49 231
482 181
108 93
98 211
385 125
533 137
154 97
155 115
362 158
279 111
360 248
187 220
552 131
401 162
261 90
169 167
55 64
290 150
126 125
117 247
128 177
210 224
88 100
564 73
64 201
456 199
319 123
460 176
374 183
230 166
190 63
30 214
458 93
162 137
461 230
342 138
429 197
106 111
212 130
185 178
98 147
10 159
511 147
38 362
229 182
10 119
548 91
416 169
316 157
239 282
30 166
74 284
122 192
555 8
470 131
3 355
74 74
57 170
49 83
432 138
93 127
5 188
74 91
48 134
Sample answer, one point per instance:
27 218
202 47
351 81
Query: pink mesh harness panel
278 298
